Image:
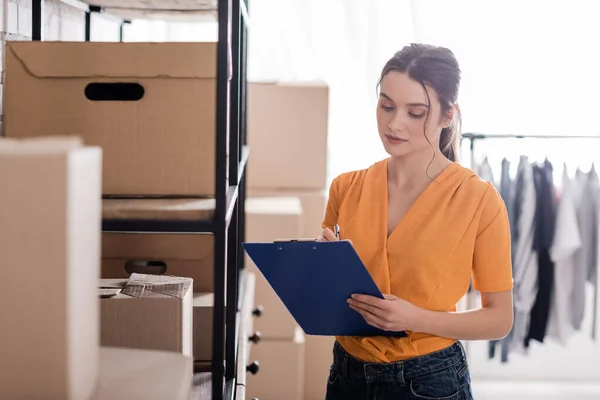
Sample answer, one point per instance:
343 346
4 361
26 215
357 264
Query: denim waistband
401 371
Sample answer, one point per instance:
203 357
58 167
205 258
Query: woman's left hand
389 314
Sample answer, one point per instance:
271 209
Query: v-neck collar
421 200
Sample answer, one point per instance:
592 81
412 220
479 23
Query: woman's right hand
327 236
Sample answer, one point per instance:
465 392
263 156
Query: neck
416 169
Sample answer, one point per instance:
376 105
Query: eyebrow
409 104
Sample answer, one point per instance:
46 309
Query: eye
387 108
416 116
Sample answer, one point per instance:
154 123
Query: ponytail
450 138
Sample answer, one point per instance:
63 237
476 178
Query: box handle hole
114 91
145 267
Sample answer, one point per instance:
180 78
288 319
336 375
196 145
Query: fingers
372 319
364 306
328 235
370 300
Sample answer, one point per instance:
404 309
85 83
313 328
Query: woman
424 226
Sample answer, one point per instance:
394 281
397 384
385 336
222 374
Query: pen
336 231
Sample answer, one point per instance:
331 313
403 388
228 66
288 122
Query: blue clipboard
314 280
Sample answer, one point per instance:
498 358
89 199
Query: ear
448 116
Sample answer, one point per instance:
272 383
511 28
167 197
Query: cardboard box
149 312
267 219
281 373
203 325
50 228
185 255
152 111
246 328
313 203
287 134
318 360
127 374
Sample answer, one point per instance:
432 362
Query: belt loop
340 358
400 373
462 350
344 364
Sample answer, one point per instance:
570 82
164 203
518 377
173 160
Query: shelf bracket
88 20
122 29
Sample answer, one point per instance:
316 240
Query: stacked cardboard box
268 219
50 240
152 113
50 223
147 312
282 369
287 135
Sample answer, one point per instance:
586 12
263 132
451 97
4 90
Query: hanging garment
525 259
484 170
586 256
566 243
544 234
594 276
594 189
507 190
507 193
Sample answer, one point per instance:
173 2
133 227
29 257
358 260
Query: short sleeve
333 205
492 265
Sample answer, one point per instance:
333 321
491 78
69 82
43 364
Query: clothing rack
473 138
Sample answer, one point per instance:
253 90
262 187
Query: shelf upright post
242 118
37 20
220 223
234 174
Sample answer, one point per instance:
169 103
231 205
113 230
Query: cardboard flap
174 290
150 286
116 60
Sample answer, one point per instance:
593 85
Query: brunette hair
437 68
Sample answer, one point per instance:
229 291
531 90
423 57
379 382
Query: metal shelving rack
228 221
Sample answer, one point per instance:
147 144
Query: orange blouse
457 229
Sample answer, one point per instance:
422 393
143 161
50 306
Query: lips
394 139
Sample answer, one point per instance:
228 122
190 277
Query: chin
397 150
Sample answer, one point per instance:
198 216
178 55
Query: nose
397 122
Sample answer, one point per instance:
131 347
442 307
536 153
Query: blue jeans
441 375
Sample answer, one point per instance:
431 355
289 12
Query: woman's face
401 114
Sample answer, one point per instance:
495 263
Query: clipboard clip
299 240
